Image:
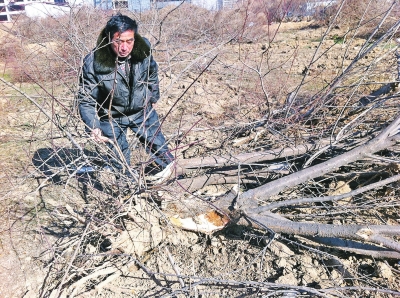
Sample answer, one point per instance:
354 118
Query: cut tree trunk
244 208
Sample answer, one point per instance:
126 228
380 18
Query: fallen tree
281 192
244 207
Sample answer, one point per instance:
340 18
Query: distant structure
11 9
143 5
135 5
311 6
228 3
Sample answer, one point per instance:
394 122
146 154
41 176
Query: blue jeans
146 128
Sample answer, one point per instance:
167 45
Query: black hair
120 23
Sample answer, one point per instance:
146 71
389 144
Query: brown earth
40 223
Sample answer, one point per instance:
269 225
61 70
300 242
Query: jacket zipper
125 77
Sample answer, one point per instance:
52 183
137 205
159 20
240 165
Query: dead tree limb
244 207
234 176
247 158
388 137
328 198
352 246
371 233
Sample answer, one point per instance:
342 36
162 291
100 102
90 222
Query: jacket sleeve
153 81
87 95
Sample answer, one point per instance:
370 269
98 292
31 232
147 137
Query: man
118 88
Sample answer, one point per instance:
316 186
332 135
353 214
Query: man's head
121 31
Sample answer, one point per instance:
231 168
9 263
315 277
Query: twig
78 246
176 269
353 193
68 135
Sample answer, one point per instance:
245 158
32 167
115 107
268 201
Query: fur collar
104 57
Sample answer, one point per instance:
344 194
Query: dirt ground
42 229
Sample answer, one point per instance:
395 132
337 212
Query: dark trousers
146 128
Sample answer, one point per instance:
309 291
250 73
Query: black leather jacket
104 91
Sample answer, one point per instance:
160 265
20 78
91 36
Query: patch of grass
338 39
319 39
6 76
389 45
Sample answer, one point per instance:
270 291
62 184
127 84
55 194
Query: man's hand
97 136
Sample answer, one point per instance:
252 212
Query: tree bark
244 208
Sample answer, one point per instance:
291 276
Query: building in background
42 10
143 5
229 3
139 5
11 9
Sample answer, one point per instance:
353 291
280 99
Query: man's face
122 43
